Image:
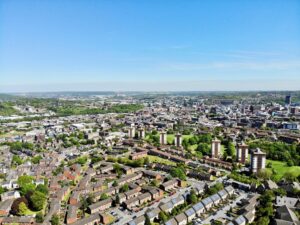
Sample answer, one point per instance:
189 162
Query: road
221 213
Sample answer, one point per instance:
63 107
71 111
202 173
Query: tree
22 209
39 218
147 220
124 188
147 161
55 220
15 208
178 172
154 183
115 184
162 216
264 174
104 196
25 179
42 188
27 188
90 199
16 160
192 197
36 159
263 221
2 190
117 199
84 205
204 148
289 176
117 169
37 200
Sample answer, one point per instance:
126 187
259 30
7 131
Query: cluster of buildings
112 184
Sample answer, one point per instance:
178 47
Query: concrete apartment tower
215 148
178 140
242 153
141 133
258 160
163 138
131 132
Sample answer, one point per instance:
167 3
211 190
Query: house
230 190
106 169
10 195
104 218
127 170
288 201
207 202
74 198
171 222
100 206
286 214
62 193
22 220
190 214
5 207
143 198
167 207
141 182
156 193
223 194
131 194
177 201
169 185
122 198
91 220
181 219
216 199
98 186
249 216
271 185
199 208
130 178
290 186
131 203
152 174
199 189
71 214
111 191
153 214
138 221
138 155
241 220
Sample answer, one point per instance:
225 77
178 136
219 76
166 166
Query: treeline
280 151
81 110
6 109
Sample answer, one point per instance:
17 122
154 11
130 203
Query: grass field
281 168
161 160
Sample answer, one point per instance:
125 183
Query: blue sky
149 45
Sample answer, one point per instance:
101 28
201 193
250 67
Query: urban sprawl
150 158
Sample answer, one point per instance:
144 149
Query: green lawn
281 168
161 160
